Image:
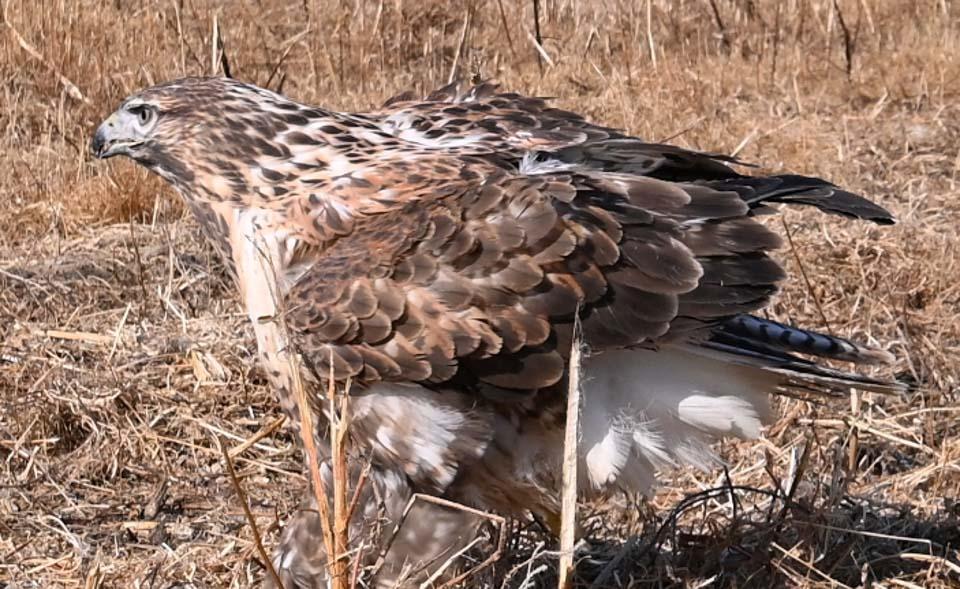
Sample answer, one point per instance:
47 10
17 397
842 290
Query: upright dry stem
568 500
307 433
339 422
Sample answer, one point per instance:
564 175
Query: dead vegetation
125 364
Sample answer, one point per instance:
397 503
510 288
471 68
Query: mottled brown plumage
435 253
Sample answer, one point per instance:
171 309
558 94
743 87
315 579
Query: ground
125 363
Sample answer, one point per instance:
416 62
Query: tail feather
750 340
798 374
804 190
786 338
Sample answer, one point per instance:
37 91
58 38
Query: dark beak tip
96 146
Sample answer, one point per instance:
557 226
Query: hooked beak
108 140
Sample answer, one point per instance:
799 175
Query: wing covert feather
480 285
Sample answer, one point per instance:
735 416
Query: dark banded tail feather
798 374
753 341
785 338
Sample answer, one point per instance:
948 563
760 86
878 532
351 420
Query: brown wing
479 119
480 286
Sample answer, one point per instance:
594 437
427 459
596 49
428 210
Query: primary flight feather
435 254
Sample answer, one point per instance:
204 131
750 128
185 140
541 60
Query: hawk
437 254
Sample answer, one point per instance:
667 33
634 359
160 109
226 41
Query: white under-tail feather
645 410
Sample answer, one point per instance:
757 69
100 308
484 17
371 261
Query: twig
501 536
744 143
506 29
21 279
261 433
603 578
537 37
246 511
448 563
358 488
540 50
858 425
80 336
867 534
283 56
339 425
682 131
853 449
650 43
218 55
931 559
806 278
213 45
183 56
119 332
355 573
847 39
141 272
776 47
307 433
568 498
460 44
719 21
72 90
855 401
833 582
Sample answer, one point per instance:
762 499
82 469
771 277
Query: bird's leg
258 264
399 542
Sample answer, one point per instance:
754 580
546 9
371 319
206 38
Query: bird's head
132 130
152 119
170 128
156 127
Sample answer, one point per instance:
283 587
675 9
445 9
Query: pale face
127 131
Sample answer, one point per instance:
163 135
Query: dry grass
123 358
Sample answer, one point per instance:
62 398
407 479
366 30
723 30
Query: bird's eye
144 114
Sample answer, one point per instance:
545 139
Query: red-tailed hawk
435 253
